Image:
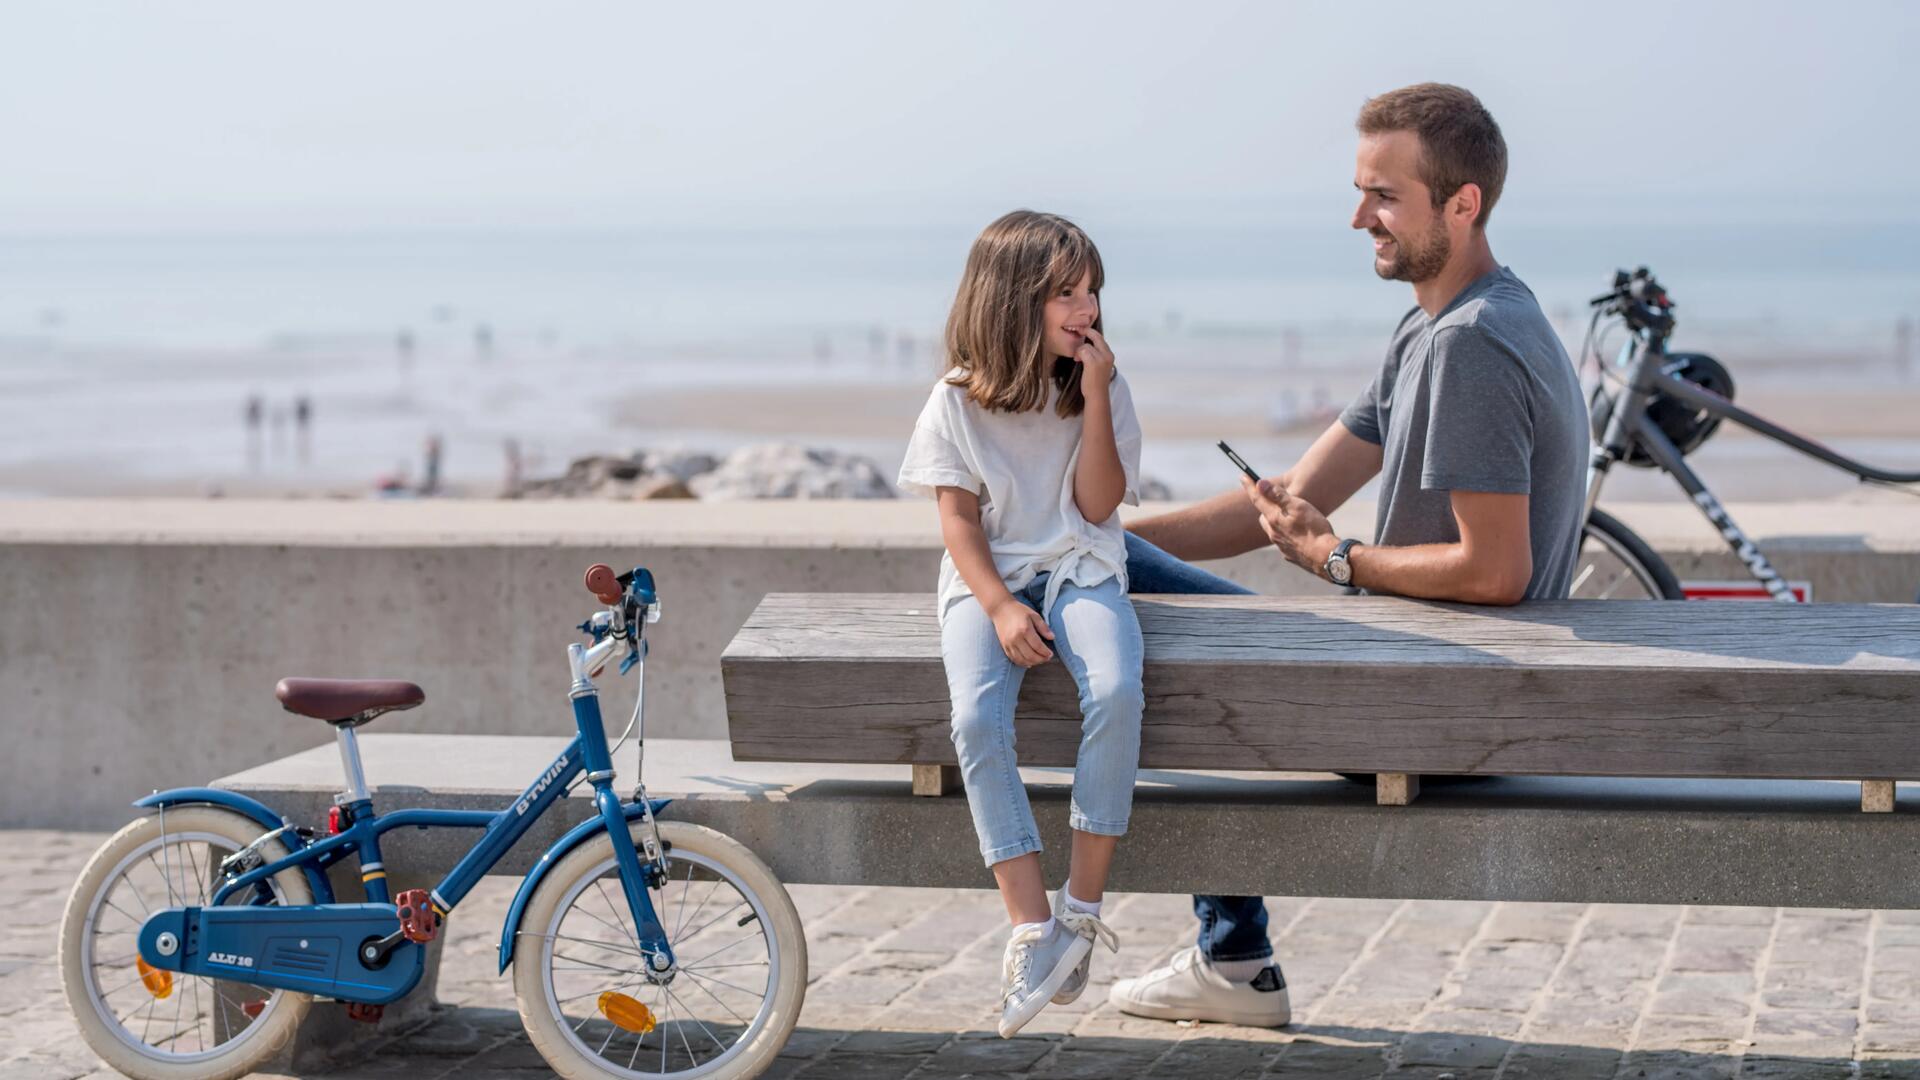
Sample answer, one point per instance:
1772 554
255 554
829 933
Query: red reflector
333 821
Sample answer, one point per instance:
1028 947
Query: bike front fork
636 877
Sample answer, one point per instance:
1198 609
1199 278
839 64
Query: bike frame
1631 426
587 754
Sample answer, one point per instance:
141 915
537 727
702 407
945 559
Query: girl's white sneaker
1036 965
1089 927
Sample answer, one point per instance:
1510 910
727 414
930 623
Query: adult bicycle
1650 409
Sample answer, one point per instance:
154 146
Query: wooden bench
1377 685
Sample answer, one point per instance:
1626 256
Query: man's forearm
1217 528
1434 572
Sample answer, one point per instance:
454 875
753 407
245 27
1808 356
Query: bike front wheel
590 1005
1615 564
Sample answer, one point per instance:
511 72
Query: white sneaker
1035 965
1089 927
1188 988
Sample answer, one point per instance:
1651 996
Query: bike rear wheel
1615 564
159 1025
588 1002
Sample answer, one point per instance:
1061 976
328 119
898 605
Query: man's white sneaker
1188 988
1089 927
1035 966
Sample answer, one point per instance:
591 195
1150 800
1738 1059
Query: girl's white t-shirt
1021 466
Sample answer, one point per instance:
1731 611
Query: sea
129 363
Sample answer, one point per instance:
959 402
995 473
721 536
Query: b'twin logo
552 774
230 959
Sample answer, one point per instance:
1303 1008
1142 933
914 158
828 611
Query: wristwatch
1338 569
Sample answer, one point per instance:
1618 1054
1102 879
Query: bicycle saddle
351 702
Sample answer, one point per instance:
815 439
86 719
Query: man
1476 427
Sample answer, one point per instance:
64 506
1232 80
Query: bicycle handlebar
1640 299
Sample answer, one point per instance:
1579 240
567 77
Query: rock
683 465
786 471
660 486
604 477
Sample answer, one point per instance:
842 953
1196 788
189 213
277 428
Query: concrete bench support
936 779
1396 788
1877 796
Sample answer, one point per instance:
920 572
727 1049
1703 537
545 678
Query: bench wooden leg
935 779
1395 788
1876 796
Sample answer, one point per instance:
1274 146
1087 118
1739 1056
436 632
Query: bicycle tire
553 1035
116 1045
1646 565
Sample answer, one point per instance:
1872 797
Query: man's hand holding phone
1295 526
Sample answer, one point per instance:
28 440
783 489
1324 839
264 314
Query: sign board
1742 590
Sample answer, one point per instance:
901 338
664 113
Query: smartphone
1235 458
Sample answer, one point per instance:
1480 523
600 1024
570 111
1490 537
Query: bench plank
1377 684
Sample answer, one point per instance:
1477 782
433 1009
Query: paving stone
989 1053
1549 1062
1794 1068
1451 1048
906 984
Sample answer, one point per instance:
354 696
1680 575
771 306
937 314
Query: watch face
1340 570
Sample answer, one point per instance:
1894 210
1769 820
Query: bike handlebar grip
603 583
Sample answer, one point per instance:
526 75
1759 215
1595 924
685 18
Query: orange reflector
626 1013
159 983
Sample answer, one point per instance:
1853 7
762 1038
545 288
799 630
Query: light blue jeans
1097 636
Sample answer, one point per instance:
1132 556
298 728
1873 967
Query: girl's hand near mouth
1095 359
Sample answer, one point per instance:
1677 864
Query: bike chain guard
312 948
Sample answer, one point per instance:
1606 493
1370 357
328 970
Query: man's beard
1421 263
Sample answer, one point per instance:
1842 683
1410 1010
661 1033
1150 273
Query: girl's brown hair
995 335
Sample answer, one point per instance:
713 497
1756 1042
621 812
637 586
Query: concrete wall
140 640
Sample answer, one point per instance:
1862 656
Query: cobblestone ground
904 980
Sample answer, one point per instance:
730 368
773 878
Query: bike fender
579 834
249 807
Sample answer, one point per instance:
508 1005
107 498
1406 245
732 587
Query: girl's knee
1114 695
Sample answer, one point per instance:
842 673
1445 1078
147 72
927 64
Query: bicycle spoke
600 885
723 948
677 936
717 999
710 979
591 964
603 944
717 918
680 1027
697 1020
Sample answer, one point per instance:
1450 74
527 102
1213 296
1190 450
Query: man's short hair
1459 142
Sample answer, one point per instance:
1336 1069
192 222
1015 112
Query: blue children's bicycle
198 936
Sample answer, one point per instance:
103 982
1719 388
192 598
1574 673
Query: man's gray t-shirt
1480 398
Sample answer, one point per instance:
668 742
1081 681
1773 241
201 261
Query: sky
480 114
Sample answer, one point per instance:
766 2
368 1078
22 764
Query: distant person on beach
303 426
1477 429
1029 444
252 416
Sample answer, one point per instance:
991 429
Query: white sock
1046 929
1072 902
1239 971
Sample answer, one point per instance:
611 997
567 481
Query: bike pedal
419 921
366 1014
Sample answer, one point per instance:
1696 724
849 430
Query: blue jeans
1097 637
1231 927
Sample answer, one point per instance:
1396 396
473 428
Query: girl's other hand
1021 629
1095 359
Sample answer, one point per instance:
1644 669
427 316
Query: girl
1029 444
